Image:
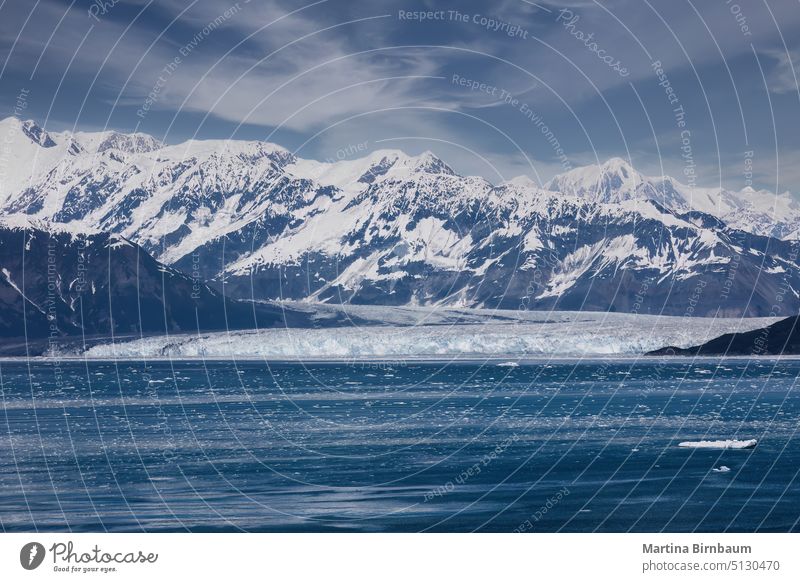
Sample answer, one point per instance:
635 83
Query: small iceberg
721 469
726 444
509 364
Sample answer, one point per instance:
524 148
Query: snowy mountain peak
613 181
131 143
357 174
429 163
618 165
522 182
380 162
396 164
37 134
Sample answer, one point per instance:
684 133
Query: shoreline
402 360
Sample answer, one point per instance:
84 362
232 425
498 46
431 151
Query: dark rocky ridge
781 338
61 284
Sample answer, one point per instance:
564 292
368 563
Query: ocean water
398 446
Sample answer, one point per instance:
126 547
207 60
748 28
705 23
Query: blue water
218 446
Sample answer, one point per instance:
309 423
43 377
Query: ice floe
720 444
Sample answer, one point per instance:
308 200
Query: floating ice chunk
508 364
723 444
721 469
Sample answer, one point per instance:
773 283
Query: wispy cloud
782 78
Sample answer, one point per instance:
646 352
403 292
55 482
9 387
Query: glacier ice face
498 336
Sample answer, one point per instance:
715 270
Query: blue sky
494 88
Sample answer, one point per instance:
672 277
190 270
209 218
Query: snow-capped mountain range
756 211
258 222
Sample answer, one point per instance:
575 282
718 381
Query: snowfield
443 333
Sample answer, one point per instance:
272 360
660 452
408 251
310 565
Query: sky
705 91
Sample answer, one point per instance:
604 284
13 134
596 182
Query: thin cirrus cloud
783 75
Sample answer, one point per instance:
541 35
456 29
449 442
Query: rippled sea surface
399 446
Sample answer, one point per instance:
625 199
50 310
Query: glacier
443 334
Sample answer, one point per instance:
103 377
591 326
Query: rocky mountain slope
779 338
61 283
